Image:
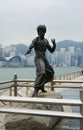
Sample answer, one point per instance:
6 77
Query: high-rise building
73 60
62 51
58 58
80 61
1 51
7 51
68 58
12 50
71 50
78 52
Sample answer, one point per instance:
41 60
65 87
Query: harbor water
30 73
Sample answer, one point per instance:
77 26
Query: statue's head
41 27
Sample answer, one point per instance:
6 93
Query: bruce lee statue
44 71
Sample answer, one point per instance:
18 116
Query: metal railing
16 84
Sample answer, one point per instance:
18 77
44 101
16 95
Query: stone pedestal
29 122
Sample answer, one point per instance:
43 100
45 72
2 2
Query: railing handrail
32 80
42 113
5 82
68 81
38 100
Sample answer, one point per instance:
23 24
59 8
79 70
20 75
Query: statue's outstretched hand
53 41
28 51
25 54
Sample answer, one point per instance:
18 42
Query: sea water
30 73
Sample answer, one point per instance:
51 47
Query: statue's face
41 33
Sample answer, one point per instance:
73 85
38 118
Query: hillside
68 43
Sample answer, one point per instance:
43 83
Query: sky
20 18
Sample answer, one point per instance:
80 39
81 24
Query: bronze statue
44 71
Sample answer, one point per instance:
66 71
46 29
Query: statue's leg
49 75
40 75
35 93
43 89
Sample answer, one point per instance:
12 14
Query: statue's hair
41 27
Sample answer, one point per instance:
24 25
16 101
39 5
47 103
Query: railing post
10 91
52 88
67 76
27 91
81 107
15 84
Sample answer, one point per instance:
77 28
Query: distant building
80 61
14 61
71 50
78 52
3 62
73 60
30 60
1 51
7 51
13 50
67 58
62 51
58 58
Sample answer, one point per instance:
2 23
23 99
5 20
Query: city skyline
67 53
11 57
19 19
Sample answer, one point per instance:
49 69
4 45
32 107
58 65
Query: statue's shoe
43 90
35 93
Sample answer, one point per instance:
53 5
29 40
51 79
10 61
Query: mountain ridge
22 48
69 43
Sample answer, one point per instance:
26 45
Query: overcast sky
20 18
